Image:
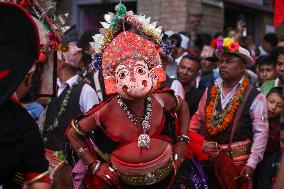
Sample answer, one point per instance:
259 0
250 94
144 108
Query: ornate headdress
112 49
128 47
229 45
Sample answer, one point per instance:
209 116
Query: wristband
184 138
96 167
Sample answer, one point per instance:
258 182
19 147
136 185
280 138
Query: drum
61 172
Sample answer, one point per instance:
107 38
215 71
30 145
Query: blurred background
201 19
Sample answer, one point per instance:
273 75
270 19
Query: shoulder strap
237 117
98 86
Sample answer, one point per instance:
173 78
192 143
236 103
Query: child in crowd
266 67
266 172
275 111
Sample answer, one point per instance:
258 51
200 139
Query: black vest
167 83
55 139
244 128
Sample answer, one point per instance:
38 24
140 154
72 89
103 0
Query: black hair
177 37
86 38
194 58
217 34
265 60
277 90
250 33
271 38
276 52
280 50
202 39
185 33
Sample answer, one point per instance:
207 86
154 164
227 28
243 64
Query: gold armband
37 178
76 128
177 99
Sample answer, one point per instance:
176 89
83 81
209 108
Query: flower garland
229 45
62 108
216 121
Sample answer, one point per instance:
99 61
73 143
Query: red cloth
4 73
278 12
30 176
195 146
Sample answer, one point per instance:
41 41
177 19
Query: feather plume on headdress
113 24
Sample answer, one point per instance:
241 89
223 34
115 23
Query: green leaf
59 155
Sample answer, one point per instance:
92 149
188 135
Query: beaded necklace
144 138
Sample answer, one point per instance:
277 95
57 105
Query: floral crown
113 24
228 45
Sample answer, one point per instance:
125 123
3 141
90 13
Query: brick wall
212 19
171 14
149 8
192 16
174 14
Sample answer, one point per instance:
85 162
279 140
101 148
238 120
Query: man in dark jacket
22 152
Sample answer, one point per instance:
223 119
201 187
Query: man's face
275 105
266 72
174 46
280 67
266 46
59 66
231 67
207 66
187 71
249 39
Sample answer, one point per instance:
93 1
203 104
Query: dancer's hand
107 174
180 153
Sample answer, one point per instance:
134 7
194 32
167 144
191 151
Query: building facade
192 16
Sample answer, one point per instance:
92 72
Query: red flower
42 57
53 44
214 43
233 47
51 36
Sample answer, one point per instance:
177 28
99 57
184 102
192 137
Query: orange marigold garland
216 121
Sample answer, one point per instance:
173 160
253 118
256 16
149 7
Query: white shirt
277 81
177 88
258 113
177 60
172 68
88 96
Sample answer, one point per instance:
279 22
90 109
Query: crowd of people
138 107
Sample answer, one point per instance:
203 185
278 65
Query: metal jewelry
81 151
144 139
176 157
111 169
94 171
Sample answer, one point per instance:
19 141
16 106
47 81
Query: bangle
177 102
76 128
96 167
184 138
81 151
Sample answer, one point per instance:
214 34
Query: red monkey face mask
134 79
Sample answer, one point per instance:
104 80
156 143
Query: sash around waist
146 167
